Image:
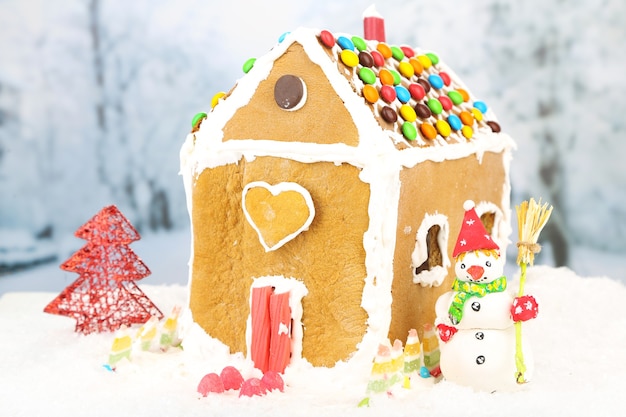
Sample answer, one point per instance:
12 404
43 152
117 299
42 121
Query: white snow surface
579 343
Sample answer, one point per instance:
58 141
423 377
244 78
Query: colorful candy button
417 91
345 43
197 119
466 117
366 59
282 37
428 131
477 114
359 43
425 61
397 79
463 94
367 75
480 105
406 69
445 101
495 127
388 114
397 53
327 38
435 80
454 122
433 58
408 51
417 65
388 93
370 93
247 66
408 113
445 77
216 98
443 128
424 84
434 105
379 60
456 97
409 131
386 77
402 93
349 58
384 50
467 132
422 111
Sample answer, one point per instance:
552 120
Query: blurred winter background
96 97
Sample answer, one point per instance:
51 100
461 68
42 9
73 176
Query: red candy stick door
280 340
260 343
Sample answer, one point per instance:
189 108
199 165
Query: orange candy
417 66
428 131
463 94
384 49
370 93
466 117
386 77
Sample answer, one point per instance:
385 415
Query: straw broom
531 218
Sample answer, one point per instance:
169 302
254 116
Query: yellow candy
370 93
216 98
477 114
349 58
425 61
408 113
467 131
406 69
443 128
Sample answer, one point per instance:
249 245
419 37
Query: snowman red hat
473 235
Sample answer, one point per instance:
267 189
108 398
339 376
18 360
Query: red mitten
524 308
446 332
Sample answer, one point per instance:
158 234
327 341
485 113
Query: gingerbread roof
407 93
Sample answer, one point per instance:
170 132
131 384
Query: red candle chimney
373 25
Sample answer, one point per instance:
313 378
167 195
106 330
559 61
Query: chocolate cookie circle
290 92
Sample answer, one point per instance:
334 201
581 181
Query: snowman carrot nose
476 272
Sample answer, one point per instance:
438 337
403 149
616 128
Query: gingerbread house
324 189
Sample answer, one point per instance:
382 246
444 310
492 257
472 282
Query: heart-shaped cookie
278 213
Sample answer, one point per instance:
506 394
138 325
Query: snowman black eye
488 264
462 266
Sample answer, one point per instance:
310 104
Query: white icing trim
275 190
297 291
435 276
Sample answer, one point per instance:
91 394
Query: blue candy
283 36
402 94
424 373
481 106
345 43
435 80
455 122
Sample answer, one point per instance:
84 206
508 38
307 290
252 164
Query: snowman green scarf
464 290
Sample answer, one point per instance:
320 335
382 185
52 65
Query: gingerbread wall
435 187
329 257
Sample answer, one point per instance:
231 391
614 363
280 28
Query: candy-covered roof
411 93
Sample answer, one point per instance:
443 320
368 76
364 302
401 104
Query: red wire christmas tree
105 296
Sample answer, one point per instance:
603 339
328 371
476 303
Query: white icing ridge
376 155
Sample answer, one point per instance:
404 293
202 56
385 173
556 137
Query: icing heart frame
276 191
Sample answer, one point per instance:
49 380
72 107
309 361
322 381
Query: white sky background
191 49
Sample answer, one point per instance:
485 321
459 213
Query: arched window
430 259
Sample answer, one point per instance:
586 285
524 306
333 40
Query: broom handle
519 355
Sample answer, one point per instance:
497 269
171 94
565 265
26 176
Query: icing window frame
430 260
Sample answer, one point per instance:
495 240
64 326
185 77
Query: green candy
247 66
367 75
456 97
434 105
359 43
197 119
397 53
409 131
396 77
433 58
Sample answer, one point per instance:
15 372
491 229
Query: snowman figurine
475 320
